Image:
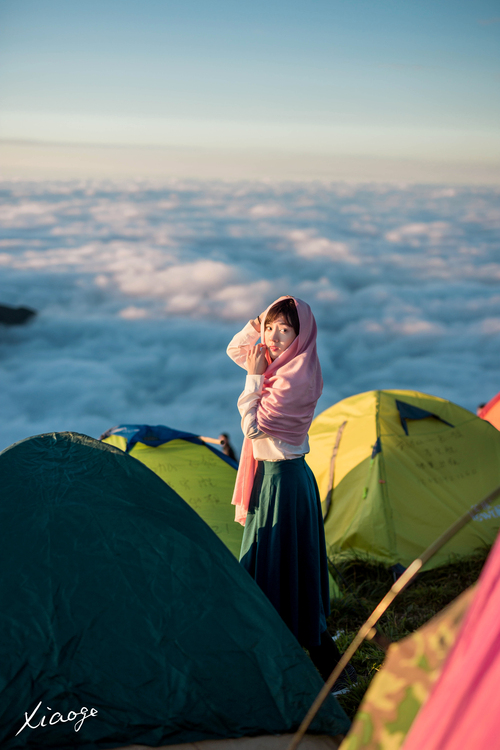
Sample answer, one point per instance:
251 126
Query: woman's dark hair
287 309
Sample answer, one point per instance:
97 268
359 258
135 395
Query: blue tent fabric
409 411
377 448
117 597
159 435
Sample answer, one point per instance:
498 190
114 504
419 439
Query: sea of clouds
139 287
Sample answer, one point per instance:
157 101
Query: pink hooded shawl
292 387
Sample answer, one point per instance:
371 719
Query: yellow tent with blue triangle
202 475
396 468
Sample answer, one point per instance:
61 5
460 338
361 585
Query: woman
276 495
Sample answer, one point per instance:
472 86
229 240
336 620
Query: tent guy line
367 630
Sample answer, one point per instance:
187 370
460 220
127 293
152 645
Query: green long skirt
284 549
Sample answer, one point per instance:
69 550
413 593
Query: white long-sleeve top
265 447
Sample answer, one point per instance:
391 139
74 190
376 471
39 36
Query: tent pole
329 492
367 630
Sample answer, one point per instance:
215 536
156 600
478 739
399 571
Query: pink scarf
292 386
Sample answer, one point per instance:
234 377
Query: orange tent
491 411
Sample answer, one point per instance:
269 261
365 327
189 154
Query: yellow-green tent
202 475
396 468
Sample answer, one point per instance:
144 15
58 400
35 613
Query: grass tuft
363 584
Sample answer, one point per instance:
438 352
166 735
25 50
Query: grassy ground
363 585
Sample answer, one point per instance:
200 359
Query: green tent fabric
117 597
396 468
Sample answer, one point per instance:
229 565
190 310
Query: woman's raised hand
256 321
256 360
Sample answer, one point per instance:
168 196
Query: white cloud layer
140 286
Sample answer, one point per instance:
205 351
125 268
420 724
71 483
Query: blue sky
395 80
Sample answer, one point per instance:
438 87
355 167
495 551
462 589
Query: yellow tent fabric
201 475
395 468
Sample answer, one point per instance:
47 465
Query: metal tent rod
367 630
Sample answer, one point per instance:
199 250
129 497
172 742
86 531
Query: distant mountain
15 316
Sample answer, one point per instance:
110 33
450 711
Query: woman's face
278 336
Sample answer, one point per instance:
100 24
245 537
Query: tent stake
367 630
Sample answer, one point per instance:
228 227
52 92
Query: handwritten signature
58 718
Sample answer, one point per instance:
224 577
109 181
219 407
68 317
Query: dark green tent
116 596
